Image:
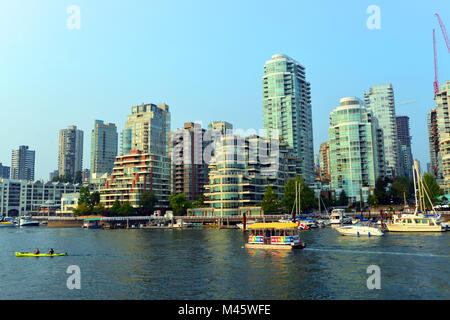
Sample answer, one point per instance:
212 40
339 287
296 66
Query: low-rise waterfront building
22 197
69 201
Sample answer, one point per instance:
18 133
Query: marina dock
160 222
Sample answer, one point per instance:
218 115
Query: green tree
200 203
126 209
179 203
82 209
100 210
382 190
95 198
307 197
373 201
432 189
114 210
85 197
401 187
147 203
343 199
270 201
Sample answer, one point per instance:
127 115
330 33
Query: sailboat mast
300 197
295 204
415 187
419 181
320 211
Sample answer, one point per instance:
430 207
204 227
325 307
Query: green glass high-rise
356 149
287 109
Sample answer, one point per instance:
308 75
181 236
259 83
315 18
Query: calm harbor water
213 264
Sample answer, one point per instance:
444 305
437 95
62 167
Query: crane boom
436 77
444 32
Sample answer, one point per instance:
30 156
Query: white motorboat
27 222
338 217
359 230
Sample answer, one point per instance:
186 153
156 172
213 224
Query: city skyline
70 95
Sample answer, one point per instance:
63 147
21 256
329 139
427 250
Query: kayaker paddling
51 251
36 251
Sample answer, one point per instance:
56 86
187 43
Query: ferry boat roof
273 225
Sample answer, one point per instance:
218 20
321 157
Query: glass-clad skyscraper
104 143
380 100
22 164
404 141
356 149
287 109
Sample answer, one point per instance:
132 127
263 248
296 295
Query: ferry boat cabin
276 235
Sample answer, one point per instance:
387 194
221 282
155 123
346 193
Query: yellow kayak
29 254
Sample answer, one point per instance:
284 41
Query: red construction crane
447 43
436 77
444 32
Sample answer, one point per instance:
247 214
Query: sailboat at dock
417 221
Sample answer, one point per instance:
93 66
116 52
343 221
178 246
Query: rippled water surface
213 264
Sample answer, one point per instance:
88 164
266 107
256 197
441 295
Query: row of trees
270 202
89 204
387 192
395 191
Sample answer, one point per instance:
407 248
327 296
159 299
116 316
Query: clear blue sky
205 59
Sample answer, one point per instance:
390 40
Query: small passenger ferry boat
275 235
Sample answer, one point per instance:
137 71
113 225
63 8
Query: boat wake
379 252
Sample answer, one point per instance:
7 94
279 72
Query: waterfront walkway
224 220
